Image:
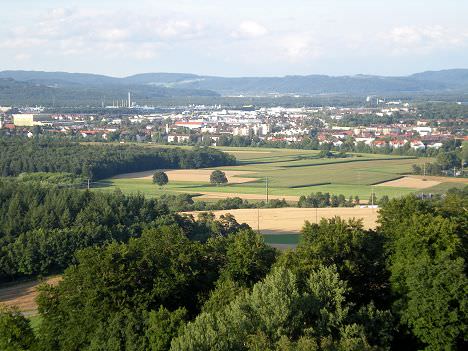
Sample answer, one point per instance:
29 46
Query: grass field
282 239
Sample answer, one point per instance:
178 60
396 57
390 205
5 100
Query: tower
129 100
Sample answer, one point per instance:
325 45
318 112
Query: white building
417 145
423 131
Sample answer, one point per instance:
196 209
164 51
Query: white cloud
250 29
424 38
79 32
299 47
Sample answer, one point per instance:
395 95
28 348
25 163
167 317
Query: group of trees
18 155
319 199
402 286
326 200
446 162
41 227
216 177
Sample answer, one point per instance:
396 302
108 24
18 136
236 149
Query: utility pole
258 220
266 189
424 168
88 183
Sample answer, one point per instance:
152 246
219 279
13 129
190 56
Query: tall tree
160 178
218 177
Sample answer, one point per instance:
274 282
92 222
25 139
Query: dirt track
291 220
23 295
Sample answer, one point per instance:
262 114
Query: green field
288 239
292 173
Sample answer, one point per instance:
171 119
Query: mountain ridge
147 86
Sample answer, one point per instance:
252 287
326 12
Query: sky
234 38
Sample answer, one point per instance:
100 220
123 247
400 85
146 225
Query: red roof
189 123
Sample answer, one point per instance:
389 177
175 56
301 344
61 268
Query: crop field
411 182
273 221
189 175
290 174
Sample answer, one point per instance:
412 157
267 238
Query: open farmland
290 220
411 182
290 174
188 175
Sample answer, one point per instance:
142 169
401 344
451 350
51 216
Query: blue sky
234 38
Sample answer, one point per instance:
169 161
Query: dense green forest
41 227
143 278
18 155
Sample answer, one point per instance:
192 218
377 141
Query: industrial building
31 119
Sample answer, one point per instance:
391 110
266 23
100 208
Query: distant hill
453 78
72 89
313 84
33 86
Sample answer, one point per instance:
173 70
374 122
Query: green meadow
292 173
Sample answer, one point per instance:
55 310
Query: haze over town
234 38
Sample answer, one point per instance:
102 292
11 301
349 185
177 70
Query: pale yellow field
189 175
411 182
246 152
215 195
291 220
442 179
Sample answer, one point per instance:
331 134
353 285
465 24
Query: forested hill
18 155
57 92
151 85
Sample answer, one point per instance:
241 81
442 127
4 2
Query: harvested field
411 182
214 195
246 152
442 179
291 220
23 295
189 175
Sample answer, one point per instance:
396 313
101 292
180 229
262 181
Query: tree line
18 155
402 286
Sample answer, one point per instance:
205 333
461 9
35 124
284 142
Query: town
379 125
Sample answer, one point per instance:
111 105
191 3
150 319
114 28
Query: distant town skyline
242 38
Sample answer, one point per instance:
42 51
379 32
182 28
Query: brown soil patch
23 295
410 182
190 175
291 220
